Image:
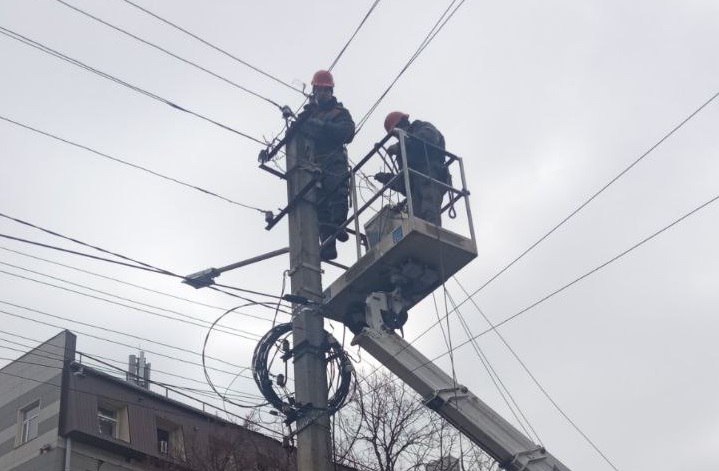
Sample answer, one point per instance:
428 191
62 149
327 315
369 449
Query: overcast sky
546 101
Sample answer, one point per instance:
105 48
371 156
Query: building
57 414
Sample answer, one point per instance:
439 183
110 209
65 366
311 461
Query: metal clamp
440 397
522 460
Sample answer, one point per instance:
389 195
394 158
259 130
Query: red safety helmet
323 78
393 119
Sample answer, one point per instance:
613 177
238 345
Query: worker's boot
342 236
328 252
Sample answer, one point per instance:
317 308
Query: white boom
455 403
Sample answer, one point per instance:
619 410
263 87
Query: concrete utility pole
310 370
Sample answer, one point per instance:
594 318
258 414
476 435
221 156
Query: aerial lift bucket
403 254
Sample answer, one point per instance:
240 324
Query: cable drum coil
266 351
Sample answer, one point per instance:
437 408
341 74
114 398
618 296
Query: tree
386 427
234 448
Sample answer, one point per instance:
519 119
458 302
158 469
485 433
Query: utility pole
310 370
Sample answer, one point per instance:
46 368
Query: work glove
313 127
393 149
383 177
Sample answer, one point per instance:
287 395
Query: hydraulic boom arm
475 419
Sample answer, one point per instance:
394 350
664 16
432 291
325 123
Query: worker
426 159
329 125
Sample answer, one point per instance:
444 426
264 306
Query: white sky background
547 101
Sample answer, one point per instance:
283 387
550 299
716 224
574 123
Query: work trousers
332 196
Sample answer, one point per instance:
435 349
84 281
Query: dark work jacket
421 157
338 129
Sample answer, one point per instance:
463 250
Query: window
112 421
163 441
107 421
29 420
170 440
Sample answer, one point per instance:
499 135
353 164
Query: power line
195 321
585 275
591 198
344 48
496 379
126 283
334 62
557 291
41 343
135 263
107 329
601 190
72 252
41 47
116 262
85 244
165 385
145 406
213 46
170 53
535 380
582 277
130 164
485 363
438 26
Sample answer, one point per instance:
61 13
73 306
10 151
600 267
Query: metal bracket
304 347
522 461
203 278
300 194
273 171
443 396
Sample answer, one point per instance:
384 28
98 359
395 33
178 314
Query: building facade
57 414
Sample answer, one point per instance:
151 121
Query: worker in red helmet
425 159
329 125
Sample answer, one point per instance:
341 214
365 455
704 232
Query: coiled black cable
336 355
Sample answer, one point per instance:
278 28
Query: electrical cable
598 267
41 47
261 372
204 368
60 354
559 290
575 281
229 331
196 321
425 42
121 370
85 244
344 48
146 266
170 53
144 406
124 334
285 274
486 364
593 196
216 48
126 283
72 252
502 388
332 65
534 378
114 369
132 165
